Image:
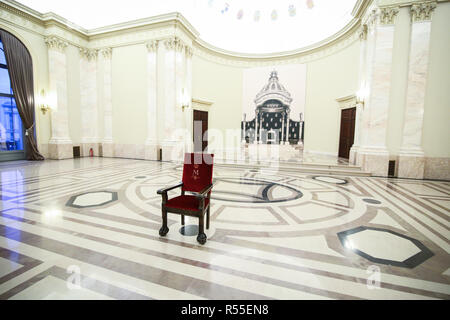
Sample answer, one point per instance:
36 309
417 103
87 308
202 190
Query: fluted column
411 155
372 154
105 56
88 102
60 144
151 144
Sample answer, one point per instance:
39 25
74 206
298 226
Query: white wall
329 78
129 94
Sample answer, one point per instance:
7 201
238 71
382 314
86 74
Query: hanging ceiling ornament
257 15
274 15
225 8
292 10
309 4
240 14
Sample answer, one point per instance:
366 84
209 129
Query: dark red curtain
20 68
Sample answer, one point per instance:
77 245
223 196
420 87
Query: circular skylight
250 26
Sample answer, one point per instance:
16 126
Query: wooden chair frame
200 212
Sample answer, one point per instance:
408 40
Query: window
11 131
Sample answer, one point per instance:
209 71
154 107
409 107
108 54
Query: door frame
346 102
199 105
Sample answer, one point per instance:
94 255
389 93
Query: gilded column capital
388 14
422 11
88 54
105 52
152 46
55 43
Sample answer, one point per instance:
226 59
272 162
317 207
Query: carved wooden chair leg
207 219
164 229
201 238
182 219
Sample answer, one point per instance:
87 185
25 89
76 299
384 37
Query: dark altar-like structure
272 123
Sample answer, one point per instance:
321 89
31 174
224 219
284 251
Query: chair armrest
203 193
165 190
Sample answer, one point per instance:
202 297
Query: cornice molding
55 43
88 54
422 11
347 102
176 24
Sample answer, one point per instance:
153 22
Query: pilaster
151 144
411 155
88 102
105 58
372 153
60 144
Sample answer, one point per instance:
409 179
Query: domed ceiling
244 26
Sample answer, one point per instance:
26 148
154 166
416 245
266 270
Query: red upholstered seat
186 202
197 179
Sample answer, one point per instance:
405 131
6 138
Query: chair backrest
197 171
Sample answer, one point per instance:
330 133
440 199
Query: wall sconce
43 102
361 95
185 100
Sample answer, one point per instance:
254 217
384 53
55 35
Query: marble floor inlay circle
252 190
189 230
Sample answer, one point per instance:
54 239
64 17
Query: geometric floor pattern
88 229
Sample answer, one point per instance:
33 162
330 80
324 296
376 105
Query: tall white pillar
189 114
362 85
60 144
106 100
411 156
372 154
151 144
88 102
172 144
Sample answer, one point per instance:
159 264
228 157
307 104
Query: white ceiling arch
250 26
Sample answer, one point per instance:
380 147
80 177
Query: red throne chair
197 180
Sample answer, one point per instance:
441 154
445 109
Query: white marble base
172 151
376 164
411 166
107 150
352 155
437 168
129 151
57 151
86 147
152 151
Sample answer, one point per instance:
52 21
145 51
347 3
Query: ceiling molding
179 23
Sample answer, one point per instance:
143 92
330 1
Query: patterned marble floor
88 229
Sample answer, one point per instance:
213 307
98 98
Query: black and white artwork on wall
273 104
